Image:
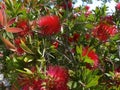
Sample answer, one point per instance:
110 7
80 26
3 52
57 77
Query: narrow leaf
28 71
93 82
1 17
1 26
21 71
25 48
10 22
79 49
13 29
8 44
88 60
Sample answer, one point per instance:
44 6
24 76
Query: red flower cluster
103 31
33 85
24 26
92 55
87 36
108 19
87 11
118 6
19 50
87 8
74 38
58 78
49 25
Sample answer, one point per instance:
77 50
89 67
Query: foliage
49 45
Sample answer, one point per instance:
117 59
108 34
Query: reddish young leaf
1 17
10 22
13 29
8 44
1 26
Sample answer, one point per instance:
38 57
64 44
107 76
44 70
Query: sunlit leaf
21 71
88 60
25 48
79 49
28 71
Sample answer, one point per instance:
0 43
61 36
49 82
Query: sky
111 5
97 3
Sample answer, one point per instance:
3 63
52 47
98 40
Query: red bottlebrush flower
108 19
87 13
87 8
55 44
70 39
117 69
58 78
69 5
27 87
27 83
74 38
38 84
93 56
24 26
103 31
33 85
33 69
87 36
118 6
17 42
49 25
22 80
20 51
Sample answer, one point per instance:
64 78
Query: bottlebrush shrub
50 45
49 25
104 31
92 55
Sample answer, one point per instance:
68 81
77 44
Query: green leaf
110 74
10 35
89 26
28 59
82 18
91 18
116 37
93 82
72 85
27 71
88 60
79 49
25 48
